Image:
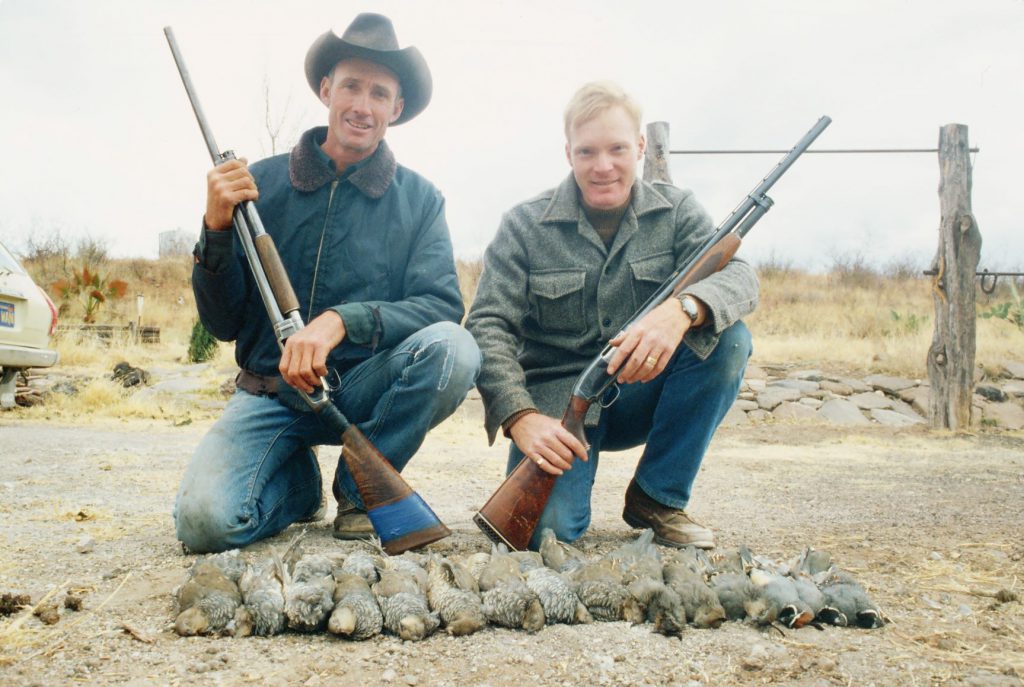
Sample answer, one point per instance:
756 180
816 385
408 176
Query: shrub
91 288
201 345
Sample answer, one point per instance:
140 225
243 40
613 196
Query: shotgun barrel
511 514
401 518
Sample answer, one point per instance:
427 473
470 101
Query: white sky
98 139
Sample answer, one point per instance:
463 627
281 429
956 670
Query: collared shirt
552 293
371 243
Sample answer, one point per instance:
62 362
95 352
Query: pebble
85 545
388 675
411 680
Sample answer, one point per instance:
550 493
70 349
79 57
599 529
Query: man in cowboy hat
365 243
565 272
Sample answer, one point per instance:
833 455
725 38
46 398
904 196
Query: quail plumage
507 600
475 563
206 602
309 593
560 603
557 555
356 614
701 603
850 602
736 593
404 606
782 602
528 560
262 588
637 559
599 586
363 564
460 610
662 605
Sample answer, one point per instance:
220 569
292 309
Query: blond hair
596 97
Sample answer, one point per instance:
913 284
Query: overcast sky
98 139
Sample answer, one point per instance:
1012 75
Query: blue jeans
675 415
254 473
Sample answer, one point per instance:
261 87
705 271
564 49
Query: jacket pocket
557 297
648 274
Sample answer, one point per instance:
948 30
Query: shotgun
401 518
511 514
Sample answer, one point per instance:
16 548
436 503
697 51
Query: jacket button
607 321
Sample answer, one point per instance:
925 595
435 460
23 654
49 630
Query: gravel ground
930 523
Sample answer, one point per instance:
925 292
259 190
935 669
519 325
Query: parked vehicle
28 319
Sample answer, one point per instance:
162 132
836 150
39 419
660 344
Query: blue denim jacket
371 244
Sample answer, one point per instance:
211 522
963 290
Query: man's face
603 153
362 99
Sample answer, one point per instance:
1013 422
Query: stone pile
780 393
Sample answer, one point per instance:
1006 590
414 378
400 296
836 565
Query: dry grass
854 317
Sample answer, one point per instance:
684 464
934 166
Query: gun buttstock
713 261
511 514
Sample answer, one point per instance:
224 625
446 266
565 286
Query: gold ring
540 460
651 361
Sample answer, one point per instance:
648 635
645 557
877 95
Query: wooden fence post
951 356
656 155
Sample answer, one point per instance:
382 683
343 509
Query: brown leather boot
671 527
352 522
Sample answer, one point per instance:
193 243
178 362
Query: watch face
690 308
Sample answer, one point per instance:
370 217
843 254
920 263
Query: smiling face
603 152
362 99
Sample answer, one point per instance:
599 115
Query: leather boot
352 522
672 527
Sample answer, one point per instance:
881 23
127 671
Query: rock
856 385
809 375
801 385
734 417
388 675
773 396
794 411
747 396
836 387
759 415
1006 415
85 545
1014 387
888 384
811 402
906 409
891 418
411 680
755 372
990 393
1011 367
918 398
744 405
757 384
842 412
869 400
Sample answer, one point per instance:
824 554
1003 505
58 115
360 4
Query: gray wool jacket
551 294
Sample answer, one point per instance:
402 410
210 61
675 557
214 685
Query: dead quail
737 595
460 610
528 560
697 560
701 603
812 562
356 614
475 563
782 603
363 564
507 600
850 602
404 606
406 565
309 593
738 560
808 592
662 606
561 605
229 562
637 559
206 602
262 610
599 586
558 556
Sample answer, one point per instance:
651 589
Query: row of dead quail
363 593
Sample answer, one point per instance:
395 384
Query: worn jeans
255 473
675 415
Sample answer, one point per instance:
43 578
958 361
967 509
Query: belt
257 385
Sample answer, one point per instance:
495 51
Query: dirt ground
930 523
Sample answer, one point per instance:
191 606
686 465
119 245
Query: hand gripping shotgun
401 518
512 512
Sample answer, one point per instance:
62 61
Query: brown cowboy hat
371 37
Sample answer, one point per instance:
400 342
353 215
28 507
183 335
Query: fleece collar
309 167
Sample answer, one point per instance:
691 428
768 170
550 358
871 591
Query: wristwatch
690 308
